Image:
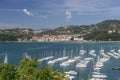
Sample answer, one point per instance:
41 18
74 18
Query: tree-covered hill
107 30
15 34
103 36
109 25
76 29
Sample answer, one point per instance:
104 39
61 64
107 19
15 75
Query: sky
44 14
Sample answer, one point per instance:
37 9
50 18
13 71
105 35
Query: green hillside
102 31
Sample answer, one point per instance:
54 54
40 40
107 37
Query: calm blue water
16 52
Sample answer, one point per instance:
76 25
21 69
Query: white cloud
35 14
27 12
92 7
68 15
80 7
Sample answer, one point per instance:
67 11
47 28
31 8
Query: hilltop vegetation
103 31
108 30
75 29
15 34
103 36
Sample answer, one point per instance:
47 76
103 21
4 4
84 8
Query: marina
70 58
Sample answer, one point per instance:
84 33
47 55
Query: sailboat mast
6 59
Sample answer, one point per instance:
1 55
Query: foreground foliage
28 70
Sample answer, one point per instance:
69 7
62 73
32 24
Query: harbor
96 61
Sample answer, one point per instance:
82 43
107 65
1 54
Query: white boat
103 54
82 52
104 59
112 50
46 58
71 72
6 59
99 75
68 62
88 59
115 53
99 64
111 54
96 79
77 57
101 51
92 53
71 61
82 64
119 51
51 62
50 57
70 77
64 58
57 60
96 68
64 64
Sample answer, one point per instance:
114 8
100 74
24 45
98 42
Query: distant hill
108 30
98 31
76 29
109 24
15 34
102 31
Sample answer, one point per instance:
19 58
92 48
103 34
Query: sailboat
82 52
46 58
71 72
119 51
6 59
111 54
99 75
27 56
83 63
92 53
69 77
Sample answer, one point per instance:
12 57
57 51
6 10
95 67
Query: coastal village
57 38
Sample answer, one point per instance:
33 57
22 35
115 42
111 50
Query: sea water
15 52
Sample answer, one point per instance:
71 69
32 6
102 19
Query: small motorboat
115 68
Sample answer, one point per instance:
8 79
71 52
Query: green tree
7 72
29 70
44 73
58 75
26 69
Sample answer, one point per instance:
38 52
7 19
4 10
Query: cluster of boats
46 58
102 58
57 60
98 59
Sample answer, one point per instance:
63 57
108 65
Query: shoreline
60 41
